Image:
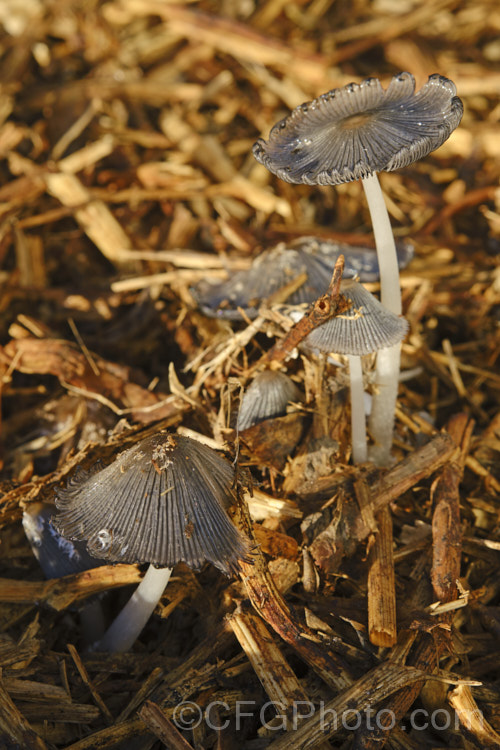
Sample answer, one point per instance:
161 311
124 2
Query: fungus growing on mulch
160 502
274 269
352 133
266 397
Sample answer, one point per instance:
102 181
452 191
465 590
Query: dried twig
323 309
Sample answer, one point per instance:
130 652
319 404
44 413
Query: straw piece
365 694
61 593
93 215
472 720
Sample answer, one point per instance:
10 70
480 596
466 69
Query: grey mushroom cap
162 501
354 131
275 268
267 396
365 328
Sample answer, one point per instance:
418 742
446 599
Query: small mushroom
365 328
267 396
162 501
275 268
352 133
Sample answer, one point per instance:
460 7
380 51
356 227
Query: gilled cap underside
155 506
276 267
266 397
365 328
352 132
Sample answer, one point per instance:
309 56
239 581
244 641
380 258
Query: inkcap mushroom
352 133
159 502
267 396
275 268
366 327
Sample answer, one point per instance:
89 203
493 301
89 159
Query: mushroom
273 269
161 501
366 327
352 133
266 397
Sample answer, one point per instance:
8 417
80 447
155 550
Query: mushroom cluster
352 133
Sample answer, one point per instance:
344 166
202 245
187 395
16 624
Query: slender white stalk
358 421
390 290
127 626
384 404
388 360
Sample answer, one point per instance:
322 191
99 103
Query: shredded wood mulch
369 614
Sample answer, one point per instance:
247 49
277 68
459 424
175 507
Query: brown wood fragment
273 441
61 593
146 688
14 728
236 39
381 584
325 308
429 649
93 215
88 682
419 464
156 721
365 694
111 735
354 520
275 543
267 660
472 720
269 603
446 529
109 385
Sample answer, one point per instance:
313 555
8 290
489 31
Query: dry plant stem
274 673
326 307
268 602
412 469
14 728
358 419
60 593
127 626
388 360
381 585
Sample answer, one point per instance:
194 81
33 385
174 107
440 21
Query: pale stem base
358 419
127 626
384 404
381 421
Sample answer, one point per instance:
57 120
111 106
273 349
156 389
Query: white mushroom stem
358 421
388 360
127 626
